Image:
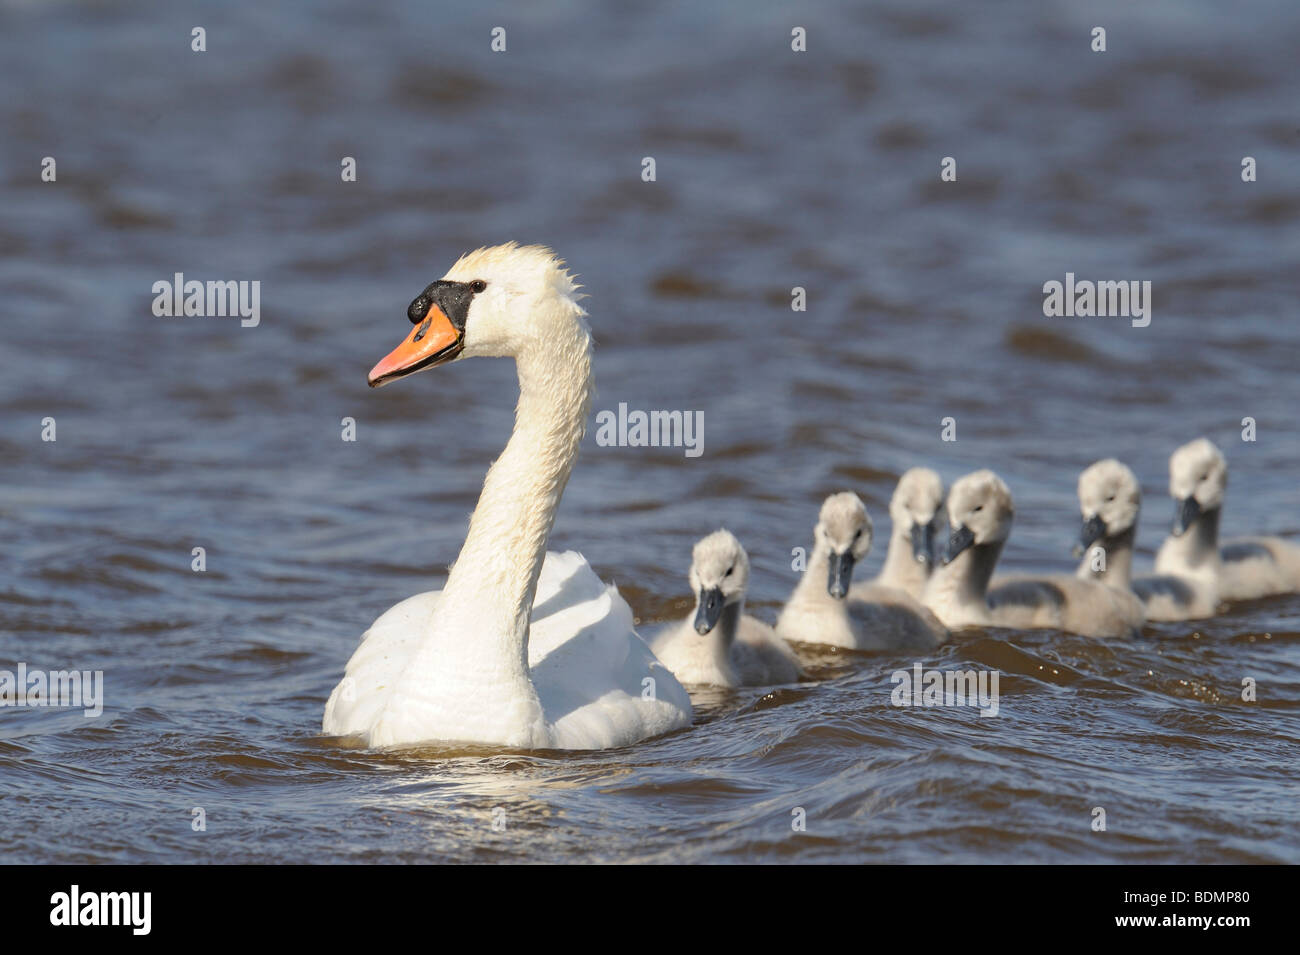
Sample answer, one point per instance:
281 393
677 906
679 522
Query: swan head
1198 476
1109 500
719 575
914 509
979 512
844 528
493 302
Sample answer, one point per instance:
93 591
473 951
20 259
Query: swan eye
977 508
1111 498
729 570
477 286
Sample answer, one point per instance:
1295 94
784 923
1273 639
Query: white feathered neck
474 655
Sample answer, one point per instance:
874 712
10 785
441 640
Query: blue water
774 169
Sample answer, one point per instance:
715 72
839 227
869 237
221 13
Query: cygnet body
821 609
718 644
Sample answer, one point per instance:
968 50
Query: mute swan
878 618
1242 569
522 648
980 516
718 644
1110 499
913 513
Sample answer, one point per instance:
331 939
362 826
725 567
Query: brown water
774 170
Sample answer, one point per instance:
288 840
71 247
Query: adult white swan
523 648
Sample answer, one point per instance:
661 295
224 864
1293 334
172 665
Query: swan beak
1186 512
958 541
432 342
1094 529
709 610
923 543
841 574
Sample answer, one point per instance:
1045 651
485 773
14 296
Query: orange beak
432 342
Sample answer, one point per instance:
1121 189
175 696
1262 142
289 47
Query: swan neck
968 576
1198 547
1205 533
1118 551
901 568
725 631
811 588
492 584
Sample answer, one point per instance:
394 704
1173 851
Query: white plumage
588 666
522 648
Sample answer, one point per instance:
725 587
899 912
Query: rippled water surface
774 170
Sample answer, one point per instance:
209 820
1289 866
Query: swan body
586 672
1082 604
521 649
1251 567
1110 499
1241 569
914 511
719 644
822 609
1062 602
980 514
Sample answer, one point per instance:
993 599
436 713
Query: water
774 170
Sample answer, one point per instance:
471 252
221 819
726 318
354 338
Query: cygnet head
979 512
1198 476
915 508
1109 500
493 302
719 576
845 529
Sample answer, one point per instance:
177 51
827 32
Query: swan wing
762 657
588 664
1087 607
1167 597
1253 567
371 674
598 682
886 618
